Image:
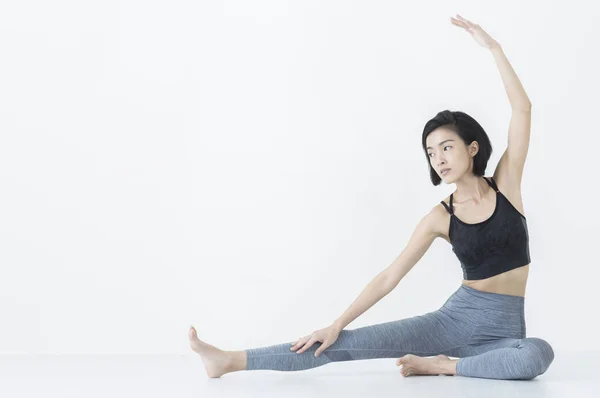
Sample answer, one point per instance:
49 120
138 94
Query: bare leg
238 361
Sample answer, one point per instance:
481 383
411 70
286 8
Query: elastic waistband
486 300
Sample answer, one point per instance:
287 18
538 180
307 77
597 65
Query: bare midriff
511 282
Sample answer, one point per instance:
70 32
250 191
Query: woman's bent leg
424 335
499 347
508 359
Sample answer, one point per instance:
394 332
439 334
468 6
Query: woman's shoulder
446 200
439 219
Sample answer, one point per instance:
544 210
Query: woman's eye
447 146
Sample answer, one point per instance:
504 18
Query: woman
483 322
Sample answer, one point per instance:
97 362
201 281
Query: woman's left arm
511 164
514 89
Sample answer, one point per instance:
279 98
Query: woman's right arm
423 236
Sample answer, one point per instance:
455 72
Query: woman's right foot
216 361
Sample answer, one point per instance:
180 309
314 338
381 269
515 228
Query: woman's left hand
475 31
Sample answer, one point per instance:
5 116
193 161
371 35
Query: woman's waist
466 299
511 283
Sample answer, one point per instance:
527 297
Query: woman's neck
471 188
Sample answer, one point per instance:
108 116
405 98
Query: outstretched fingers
459 23
463 23
466 21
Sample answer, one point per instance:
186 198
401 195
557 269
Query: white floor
572 374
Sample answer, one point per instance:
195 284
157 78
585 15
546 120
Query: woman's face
446 150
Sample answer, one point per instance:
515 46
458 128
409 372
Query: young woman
483 322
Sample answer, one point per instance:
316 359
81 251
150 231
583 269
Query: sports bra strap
492 183
449 209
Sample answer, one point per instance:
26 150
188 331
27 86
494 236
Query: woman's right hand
326 336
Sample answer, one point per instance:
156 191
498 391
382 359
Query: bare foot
416 365
216 361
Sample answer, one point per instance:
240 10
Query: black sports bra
493 246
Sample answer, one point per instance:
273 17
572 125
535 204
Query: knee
538 356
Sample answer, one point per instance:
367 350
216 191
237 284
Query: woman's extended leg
512 359
425 335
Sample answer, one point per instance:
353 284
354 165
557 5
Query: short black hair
469 130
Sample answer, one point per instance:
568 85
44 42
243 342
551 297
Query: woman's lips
445 172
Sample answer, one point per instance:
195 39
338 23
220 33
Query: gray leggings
486 331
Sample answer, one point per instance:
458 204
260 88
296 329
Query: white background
248 167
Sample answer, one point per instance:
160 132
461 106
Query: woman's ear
473 148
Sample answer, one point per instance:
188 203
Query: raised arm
509 171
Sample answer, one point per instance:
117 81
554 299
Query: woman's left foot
216 361
416 365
